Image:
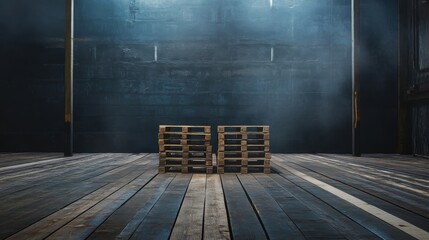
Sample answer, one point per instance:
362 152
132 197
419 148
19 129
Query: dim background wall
419 75
379 75
218 62
31 75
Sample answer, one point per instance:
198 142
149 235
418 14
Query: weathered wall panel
379 75
420 77
217 62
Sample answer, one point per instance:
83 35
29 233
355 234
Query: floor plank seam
181 179
362 190
371 216
49 214
254 208
320 199
378 169
29 168
231 235
124 231
204 210
87 194
49 169
297 227
30 165
341 158
101 200
122 203
181 203
124 185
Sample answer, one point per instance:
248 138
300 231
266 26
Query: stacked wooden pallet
185 148
244 148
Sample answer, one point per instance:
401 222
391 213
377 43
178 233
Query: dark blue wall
379 76
214 66
31 75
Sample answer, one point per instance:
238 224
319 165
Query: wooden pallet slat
243 148
184 148
185 155
184 129
243 128
248 142
228 162
184 136
184 142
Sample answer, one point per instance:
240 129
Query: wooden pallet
166 164
184 160
186 155
240 142
232 162
244 155
244 162
258 162
243 147
184 136
184 142
171 162
244 136
185 147
184 129
243 129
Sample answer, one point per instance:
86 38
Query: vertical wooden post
356 146
68 78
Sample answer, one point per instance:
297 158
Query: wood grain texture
160 220
107 196
244 221
311 222
123 222
189 223
215 215
82 226
276 223
369 221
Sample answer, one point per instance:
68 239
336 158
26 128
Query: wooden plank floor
121 196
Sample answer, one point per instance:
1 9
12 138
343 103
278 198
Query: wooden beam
68 78
356 146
